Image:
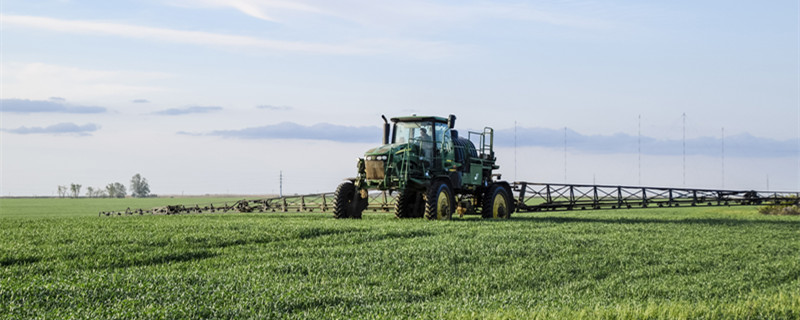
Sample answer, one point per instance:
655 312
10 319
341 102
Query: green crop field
58 260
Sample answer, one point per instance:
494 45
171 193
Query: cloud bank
289 130
274 108
58 129
741 145
188 110
55 105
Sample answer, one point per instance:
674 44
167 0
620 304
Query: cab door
444 154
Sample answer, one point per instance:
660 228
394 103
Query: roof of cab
419 118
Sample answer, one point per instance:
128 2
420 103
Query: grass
670 263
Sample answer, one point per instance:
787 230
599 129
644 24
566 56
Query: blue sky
212 96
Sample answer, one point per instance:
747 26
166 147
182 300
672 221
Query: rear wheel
408 205
497 202
345 203
439 202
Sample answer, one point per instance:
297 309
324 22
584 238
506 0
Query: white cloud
408 14
41 81
261 9
422 49
188 110
162 34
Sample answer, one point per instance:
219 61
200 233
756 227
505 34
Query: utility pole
565 154
684 149
723 157
639 146
515 151
281 182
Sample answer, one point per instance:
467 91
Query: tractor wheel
407 204
362 205
343 206
439 202
497 202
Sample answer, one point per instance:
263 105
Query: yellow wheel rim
442 205
500 207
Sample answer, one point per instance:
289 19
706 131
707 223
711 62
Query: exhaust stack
385 130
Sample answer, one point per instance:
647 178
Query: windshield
411 131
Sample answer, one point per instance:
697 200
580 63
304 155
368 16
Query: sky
228 97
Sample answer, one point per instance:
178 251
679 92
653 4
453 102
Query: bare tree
139 187
95 192
76 190
62 191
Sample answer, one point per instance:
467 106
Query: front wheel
497 202
346 204
408 204
439 202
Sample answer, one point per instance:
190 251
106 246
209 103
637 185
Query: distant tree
116 190
111 190
98 193
89 192
76 190
139 187
62 191
121 192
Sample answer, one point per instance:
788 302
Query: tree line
139 188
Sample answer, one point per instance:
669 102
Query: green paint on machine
439 171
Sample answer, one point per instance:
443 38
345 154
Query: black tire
497 202
360 207
439 202
408 205
343 206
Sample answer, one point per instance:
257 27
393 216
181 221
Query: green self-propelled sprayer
435 172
